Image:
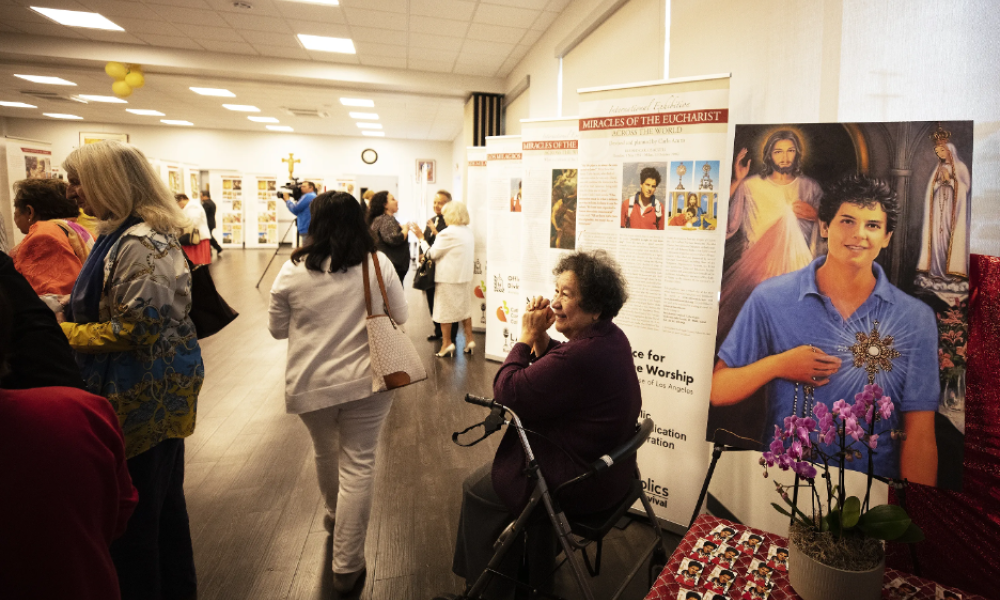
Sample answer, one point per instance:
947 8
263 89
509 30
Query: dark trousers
482 519
437 326
154 558
214 242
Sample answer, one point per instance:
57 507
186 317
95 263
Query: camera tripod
295 226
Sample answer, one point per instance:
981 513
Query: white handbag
395 362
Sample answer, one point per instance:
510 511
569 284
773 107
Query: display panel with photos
231 209
849 261
267 210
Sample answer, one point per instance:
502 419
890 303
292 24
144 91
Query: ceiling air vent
307 112
50 96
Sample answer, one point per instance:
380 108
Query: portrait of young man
795 332
642 210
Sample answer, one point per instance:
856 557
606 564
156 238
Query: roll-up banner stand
229 203
476 204
550 164
262 210
649 185
504 227
19 159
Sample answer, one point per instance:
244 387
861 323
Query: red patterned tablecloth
668 587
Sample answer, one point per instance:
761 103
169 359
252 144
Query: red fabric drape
962 548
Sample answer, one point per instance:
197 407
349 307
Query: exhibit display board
229 205
814 204
504 227
642 147
550 163
22 159
265 211
192 182
476 203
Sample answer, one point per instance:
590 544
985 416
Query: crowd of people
101 368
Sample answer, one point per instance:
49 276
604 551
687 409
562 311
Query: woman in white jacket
453 253
200 253
318 304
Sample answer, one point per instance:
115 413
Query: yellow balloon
116 70
135 80
121 89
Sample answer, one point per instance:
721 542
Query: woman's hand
416 231
808 365
537 319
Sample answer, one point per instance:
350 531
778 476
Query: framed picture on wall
430 165
93 138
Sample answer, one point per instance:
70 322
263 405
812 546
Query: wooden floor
255 507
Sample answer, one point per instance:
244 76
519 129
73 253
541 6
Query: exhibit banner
846 267
650 156
550 163
265 211
229 206
504 227
191 185
21 159
476 204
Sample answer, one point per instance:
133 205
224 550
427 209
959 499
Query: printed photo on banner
641 209
759 571
722 533
429 166
37 167
704 550
941 593
777 558
749 543
899 589
93 138
684 594
690 571
726 556
515 194
755 590
721 579
562 234
845 277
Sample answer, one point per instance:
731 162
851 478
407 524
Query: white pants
345 438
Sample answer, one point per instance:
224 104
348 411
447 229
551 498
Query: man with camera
301 208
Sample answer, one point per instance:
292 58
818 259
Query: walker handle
471 399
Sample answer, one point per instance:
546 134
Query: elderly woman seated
55 247
578 398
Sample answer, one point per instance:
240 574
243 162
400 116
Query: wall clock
369 156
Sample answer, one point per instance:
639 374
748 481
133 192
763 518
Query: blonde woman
453 251
127 321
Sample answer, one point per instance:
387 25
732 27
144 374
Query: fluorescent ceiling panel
369 125
108 99
62 116
45 80
145 112
327 44
176 122
17 105
280 128
263 119
361 115
213 92
76 18
357 102
241 107
373 133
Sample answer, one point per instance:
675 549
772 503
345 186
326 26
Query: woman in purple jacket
579 398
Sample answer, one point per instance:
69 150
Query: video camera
291 188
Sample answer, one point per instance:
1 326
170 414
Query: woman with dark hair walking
390 236
318 305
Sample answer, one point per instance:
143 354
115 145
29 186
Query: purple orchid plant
850 430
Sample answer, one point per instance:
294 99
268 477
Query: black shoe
433 337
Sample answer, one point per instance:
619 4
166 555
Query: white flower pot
814 580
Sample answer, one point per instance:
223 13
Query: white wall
322 156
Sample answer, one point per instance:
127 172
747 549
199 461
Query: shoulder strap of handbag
381 286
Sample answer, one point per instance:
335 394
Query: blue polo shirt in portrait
301 211
788 311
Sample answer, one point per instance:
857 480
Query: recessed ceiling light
369 125
373 133
357 102
213 92
76 18
263 119
17 105
176 122
280 128
46 80
327 44
144 112
359 115
62 116
108 99
241 107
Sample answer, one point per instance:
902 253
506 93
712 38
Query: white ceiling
418 59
